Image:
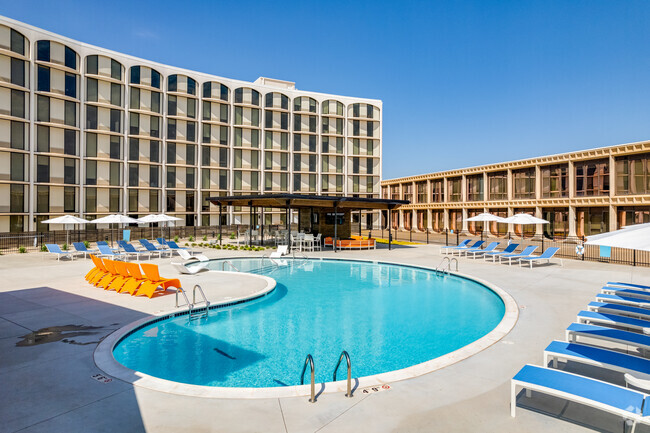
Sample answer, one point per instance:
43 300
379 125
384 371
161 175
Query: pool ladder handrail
265 256
304 256
223 265
441 269
347 359
193 314
309 360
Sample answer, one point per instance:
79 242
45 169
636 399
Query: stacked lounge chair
623 324
127 277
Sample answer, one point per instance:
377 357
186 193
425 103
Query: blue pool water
386 316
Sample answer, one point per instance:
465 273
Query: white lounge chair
607 397
185 255
180 267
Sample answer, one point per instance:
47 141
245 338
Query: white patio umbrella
67 220
634 237
158 218
485 217
524 218
114 219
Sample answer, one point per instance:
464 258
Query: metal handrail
265 256
309 360
223 265
304 256
207 303
453 259
187 301
440 268
347 358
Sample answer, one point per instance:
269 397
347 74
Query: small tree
22 250
65 247
205 237
176 238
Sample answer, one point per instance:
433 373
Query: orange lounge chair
154 281
112 274
94 270
123 277
136 278
101 274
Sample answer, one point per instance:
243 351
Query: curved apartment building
579 193
89 131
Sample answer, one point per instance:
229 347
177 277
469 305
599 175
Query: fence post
427 236
634 257
411 235
457 237
447 237
584 252
542 243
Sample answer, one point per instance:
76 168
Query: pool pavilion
329 215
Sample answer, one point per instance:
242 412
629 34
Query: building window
133 200
18 72
633 174
17 42
71 85
115 174
91 89
92 65
114 200
18 104
116 70
42 169
91 199
116 94
91 117
43 51
114 151
421 190
153 176
454 189
592 178
17 135
523 183
475 188
558 226
91 145
69 171
43 79
91 172
437 191
498 186
554 181
70 58
116 120
70 142
17 167
70 114
42 199
69 199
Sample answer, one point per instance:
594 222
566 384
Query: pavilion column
445 219
429 222
539 229
415 223
510 226
401 220
613 218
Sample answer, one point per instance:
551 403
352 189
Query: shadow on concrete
47 340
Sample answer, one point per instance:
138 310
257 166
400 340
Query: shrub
186 244
43 249
217 247
65 247
22 250
233 236
175 238
191 239
205 237
87 244
193 244
218 237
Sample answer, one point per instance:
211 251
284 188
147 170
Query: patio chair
185 255
162 243
609 319
475 246
510 248
97 269
604 333
596 356
173 246
492 246
444 250
102 271
318 243
130 250
80 248
639 294
106 245
623 310
105 250
623 300
180 267
136 280
636 286
152 248
55 249
546 255
525 253
121 279
110 276
154 280
604 396
282 251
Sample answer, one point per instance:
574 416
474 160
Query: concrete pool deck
50 383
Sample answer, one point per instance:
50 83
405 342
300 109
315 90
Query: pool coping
104 359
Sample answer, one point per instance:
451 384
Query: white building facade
89 131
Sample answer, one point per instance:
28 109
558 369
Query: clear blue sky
463 82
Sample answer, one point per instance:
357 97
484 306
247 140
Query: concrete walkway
51 321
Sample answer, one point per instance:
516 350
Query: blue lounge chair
525 253
106 245
475 251
444 250
546 255
623 300
636 286
494 254
624 310
55 249
639 294
80 247
130 250
604 333
152 249
615 399
174 246
106 251
608 319
162 243
596 356
475 246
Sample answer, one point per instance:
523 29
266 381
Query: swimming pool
388 317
